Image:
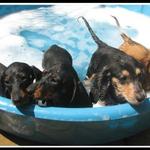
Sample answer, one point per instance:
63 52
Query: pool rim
106 113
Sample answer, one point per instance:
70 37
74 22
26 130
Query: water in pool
26 34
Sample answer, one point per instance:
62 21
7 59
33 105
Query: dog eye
23 78
7 82
54 81
124 78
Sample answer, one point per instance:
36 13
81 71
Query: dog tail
123 35
94 36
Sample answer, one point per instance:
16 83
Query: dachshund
15 80
60 85
116 76
136 50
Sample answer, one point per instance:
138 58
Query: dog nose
141 96
139 99
16 98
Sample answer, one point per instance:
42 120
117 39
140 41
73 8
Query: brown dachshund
136 50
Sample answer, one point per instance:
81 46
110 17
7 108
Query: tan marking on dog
126 90
125 73
37 93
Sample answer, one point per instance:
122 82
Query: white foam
126 18
48 22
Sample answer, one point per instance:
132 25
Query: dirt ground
7 139
140 139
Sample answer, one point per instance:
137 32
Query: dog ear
31 88
93 67
37 73
74 90
100 85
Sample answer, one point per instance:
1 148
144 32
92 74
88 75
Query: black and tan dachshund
15 80
60 85
116 76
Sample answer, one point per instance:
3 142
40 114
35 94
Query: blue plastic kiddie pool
34 31
74 126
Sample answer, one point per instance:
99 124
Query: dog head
16 78
57 86
55 55
122 83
